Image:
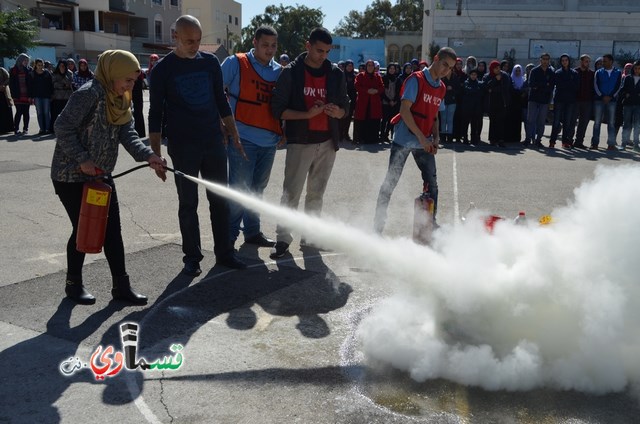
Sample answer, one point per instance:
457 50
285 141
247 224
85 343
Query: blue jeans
631 121
398 157
599 109
446 125
536 117
43 109
563 115
249 176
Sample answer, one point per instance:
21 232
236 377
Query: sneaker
612 148
566 146
260 240
192 269
579 146
552 144
593 147
231 261
279 250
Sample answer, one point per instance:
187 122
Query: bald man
187 97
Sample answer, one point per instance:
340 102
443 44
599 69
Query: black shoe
260 240
593 147
192 269
579 146
279 250
231 261
122 291
77 293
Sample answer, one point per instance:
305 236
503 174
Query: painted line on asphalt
456 202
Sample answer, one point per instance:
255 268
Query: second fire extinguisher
94 212
424 208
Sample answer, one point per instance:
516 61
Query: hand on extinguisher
89 167
159 164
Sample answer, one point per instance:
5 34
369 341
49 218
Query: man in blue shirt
607 85
415 136
249 79
187 98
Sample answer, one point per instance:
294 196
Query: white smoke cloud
524 307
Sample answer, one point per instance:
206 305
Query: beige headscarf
114 65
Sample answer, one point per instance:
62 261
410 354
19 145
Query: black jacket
288 94
630 92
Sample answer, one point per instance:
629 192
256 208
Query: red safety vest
425 108
253 106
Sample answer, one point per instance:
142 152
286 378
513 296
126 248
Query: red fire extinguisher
94 211
424 207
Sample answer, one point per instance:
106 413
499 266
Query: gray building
490 29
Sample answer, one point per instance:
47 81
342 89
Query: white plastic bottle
521 219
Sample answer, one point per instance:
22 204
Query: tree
293 23
18 32
381 16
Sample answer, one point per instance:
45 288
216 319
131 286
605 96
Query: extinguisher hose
128 171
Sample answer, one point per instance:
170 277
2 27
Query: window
407 53
393 53
159 2
116 28
158 31
174 3
236 21
229 18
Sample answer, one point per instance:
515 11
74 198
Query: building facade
526 28
221 20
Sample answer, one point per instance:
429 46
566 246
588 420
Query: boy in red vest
416 131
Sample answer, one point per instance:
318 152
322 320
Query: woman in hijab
407 70
82 75
482 70
368 111
499 93
513 131
153 59
390 100
350 77
95 121
20 87
471 63
62 89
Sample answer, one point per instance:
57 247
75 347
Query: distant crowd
518 101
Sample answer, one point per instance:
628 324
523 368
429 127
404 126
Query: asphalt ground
274 343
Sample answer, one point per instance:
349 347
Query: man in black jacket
311 97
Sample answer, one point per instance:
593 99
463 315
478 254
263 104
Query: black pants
22 110
56 108
211 164
471 118
70 195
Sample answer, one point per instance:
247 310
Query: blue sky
334 10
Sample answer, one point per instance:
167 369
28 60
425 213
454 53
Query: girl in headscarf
62 89
407 70
513 131
390 100
82 75
482 70
153 59
471 63
20 85
368 111
499 93
96 120
350 77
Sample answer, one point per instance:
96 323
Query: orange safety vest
253 105
425 108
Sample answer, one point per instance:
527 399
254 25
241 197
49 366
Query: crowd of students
516 99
